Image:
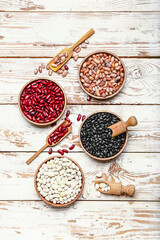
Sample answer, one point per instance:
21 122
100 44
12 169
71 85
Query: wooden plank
125 33
142 83
83 220
17 134
89 5
139 169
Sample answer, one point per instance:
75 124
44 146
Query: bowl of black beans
96 138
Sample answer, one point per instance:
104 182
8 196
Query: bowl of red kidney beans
42 101
102 74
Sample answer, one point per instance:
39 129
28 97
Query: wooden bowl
41 124
98 158
58 204
109 96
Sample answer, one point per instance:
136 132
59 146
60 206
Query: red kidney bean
50 151
66 67
60 151
67 119
65 150
49 141
89 98
69 124
60 128
79 117
72 146
39 97
83 117
67 113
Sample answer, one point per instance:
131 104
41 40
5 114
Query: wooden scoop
121 127
47 144
69 50
115 188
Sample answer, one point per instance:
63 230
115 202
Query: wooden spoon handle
132 121
129 190
82 39
36 154
121 127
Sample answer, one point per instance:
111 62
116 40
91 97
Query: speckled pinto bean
59 59
102 74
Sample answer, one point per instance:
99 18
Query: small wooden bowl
41 124
58 204
109 96
98 158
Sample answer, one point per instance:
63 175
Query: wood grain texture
129 168
83 5
17 134
83 220
142 84
125 33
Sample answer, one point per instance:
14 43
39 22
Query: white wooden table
31 32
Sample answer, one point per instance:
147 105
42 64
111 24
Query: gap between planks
85 200
80 57
66 155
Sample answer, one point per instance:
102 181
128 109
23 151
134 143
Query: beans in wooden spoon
58 134
61 58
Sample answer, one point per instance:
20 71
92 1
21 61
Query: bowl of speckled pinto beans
102 75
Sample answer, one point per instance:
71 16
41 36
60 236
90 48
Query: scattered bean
89 98
40 69
79 117
86 41
76 57
64 74
83 117
60 151
35 71
65 150
67 113
72 146
50 72
84 45
47 67
66 67
50 151
43 65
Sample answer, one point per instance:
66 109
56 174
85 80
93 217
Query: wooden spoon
47 144
69 50
121 127
115 188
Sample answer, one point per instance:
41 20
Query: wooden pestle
121 127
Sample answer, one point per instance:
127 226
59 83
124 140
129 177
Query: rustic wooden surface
28 37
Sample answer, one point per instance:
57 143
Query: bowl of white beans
59 181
